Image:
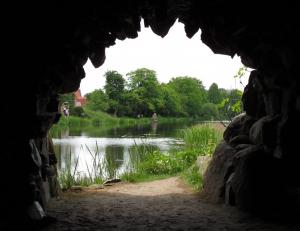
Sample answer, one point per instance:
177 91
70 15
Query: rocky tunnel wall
258 160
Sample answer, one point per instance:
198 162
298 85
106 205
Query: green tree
114 89
143 87
209 112
97 100
169 102
131 102
191 92
214 94
223 93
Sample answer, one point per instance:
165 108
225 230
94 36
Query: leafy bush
209 111
156 163
78 111
193 177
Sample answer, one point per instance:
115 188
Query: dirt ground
158 205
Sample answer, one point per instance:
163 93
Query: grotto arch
260 153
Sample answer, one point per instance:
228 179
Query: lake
112 147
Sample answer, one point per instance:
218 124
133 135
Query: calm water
114 145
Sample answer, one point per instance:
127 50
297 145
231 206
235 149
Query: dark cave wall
59 37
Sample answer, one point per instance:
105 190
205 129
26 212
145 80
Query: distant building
79 99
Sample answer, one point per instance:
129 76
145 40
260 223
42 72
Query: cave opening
255 168
78 140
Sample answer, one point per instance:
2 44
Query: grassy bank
153 164
201 140
97 119
94 119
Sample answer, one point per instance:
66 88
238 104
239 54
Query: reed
67 175
201 138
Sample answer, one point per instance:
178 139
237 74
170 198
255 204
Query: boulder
257 184
264 131
202 163
240 139
240 125
218 170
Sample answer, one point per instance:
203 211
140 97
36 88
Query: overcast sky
171 56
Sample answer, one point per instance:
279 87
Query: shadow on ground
118 208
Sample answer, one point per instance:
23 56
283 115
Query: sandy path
158 205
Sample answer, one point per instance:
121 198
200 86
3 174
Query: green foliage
78 111
143 89
209 111
114 85
193 177
169 103
142 94
97 101
191 92
241 72
142 78
156 163
231 105
114 89
214 95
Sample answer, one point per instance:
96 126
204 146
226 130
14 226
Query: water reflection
114 153
114 148
114 156
154 127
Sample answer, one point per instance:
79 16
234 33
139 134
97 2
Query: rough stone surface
202 162
218 171
253 98
252 179
240 125
263 131
239 139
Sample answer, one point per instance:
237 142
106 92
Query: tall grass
70 176
67 175
95 171
201 138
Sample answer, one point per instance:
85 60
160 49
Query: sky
171 56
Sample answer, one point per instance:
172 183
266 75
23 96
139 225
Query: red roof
79 98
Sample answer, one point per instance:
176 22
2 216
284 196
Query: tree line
141 94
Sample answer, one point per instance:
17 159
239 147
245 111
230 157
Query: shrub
78 111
